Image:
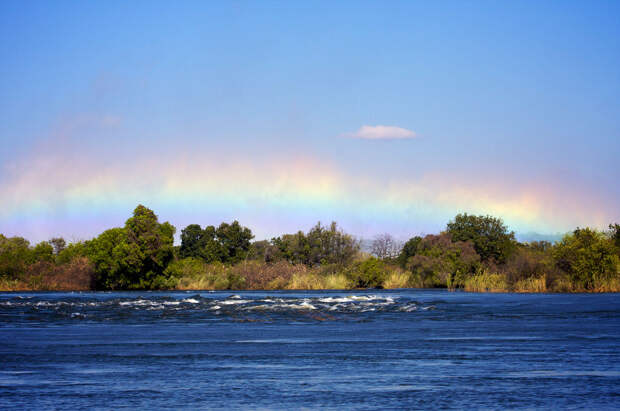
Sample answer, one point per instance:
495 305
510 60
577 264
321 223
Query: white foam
228 302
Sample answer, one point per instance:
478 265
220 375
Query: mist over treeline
473 253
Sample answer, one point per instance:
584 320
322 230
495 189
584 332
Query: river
374 349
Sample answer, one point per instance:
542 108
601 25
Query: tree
43 252
368 273
384 246
320 246
229 243
234 240
588 256
264 250
191 241
491 238
440 261
72 251
154 243
408 250
113 259
134 256
15 255
59 244
614 233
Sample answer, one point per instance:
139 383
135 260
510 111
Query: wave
103 307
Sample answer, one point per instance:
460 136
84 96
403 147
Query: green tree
491 238
368 273
154 244
229 243
71 252
234 240
409 250
441 262
614 233
192 241
15 256
43 252
588 256
134 256
319 247
59 244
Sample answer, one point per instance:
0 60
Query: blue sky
513 93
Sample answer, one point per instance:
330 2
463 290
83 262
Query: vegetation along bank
473 253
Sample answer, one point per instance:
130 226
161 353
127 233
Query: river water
309 350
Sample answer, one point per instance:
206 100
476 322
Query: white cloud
382 133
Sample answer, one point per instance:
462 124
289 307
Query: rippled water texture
328 350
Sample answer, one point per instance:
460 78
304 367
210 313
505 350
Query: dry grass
77 275
312 280
397 279
531 285
611 285
486 282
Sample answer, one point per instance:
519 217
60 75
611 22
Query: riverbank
253 275
473 253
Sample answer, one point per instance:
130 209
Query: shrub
440 262
588 257
262 276
492 240
368 273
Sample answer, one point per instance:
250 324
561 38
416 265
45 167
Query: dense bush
369 273
588 257
318 247
476 253
491 239
440 262
228 243
135 256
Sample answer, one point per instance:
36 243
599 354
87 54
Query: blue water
316 350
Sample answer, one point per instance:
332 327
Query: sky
383 116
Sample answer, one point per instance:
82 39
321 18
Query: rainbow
79 196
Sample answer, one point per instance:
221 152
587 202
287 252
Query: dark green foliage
319 247
133 257
234 241
473 250
265 251
588 256
369 273
441 262
531 260
614 233
70 252
192 241
43 252
15 256
229 243
409 250
59 244
492 240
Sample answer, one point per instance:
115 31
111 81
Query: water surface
291 350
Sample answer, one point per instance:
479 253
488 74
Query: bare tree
384 246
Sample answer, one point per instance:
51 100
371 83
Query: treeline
474 253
